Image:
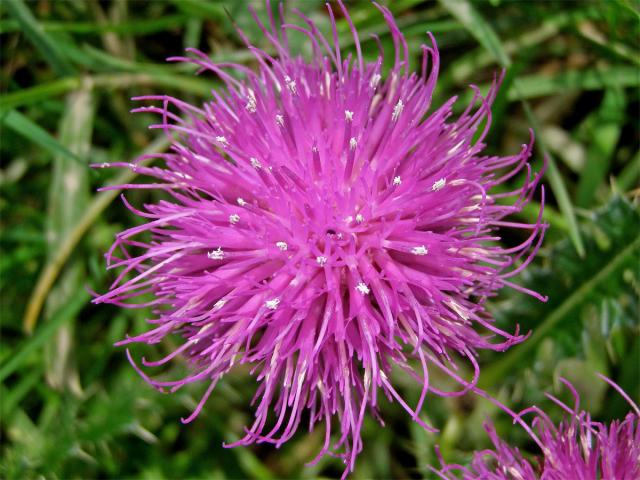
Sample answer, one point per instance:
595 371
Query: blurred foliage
72 407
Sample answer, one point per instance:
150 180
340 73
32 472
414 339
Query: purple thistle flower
576 448
323 226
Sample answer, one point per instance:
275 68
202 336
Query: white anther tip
216 254
439 184
272 304
421 250
397 110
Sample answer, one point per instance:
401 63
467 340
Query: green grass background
71 406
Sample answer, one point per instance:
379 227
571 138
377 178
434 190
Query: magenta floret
323 225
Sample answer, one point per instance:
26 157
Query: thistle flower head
324 223
577 447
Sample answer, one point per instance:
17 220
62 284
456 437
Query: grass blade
463 68
468 16
34 31
533 86
542 85
38 93
64 314
604 131
24 126
75 132
186 84
12 397
557 184
137 26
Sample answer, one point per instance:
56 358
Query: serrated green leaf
570 282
